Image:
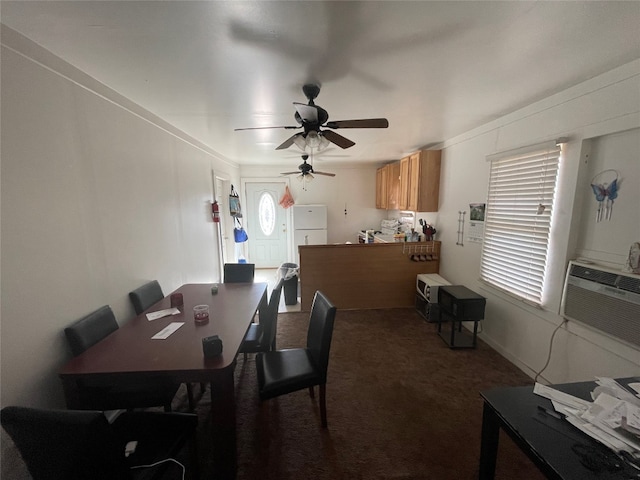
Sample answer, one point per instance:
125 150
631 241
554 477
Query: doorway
221 190
266 222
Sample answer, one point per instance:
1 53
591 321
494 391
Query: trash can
289 272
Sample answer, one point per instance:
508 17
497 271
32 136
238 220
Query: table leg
489 443
475 333
71 393
453 333
223 418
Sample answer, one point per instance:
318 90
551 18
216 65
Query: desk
546 440
130 353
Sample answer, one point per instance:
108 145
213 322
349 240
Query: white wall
96 200
598 117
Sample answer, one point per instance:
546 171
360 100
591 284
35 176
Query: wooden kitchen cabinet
403 202
420 179
393 186
381 187
413 183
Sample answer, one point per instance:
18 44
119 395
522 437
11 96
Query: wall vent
603 299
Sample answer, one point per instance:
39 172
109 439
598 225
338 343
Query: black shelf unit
459 304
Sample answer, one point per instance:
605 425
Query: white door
266 224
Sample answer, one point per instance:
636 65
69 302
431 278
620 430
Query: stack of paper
613 418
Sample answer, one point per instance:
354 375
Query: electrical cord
550 347
162 461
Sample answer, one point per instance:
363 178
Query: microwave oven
427 285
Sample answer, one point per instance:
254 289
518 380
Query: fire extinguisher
215 211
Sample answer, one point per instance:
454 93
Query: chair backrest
90 329
239 272
65 444
145 296
269 318
322 316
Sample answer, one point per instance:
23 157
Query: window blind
522 187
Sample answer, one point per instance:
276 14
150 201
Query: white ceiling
434 69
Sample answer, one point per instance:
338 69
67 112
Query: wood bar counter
362 276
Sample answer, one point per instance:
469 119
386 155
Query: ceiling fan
312 118
306 170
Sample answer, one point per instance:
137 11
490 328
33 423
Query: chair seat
157 435
252 339
82 445
285 371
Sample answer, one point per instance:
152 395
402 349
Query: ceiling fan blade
308 113
338 139
364 123
288 127
290 173
288 142
315 172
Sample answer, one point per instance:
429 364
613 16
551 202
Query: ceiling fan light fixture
313 140
300 142
324 143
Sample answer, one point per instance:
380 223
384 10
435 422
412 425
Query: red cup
177 300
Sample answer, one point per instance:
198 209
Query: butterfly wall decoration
606 193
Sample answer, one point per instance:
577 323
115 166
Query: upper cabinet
424 181
413 183
393 186
381 187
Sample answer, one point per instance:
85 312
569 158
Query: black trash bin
289 272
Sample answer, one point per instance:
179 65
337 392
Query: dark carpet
400 405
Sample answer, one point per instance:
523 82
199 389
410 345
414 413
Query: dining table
132 353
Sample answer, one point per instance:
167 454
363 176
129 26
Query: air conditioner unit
603 299
427 285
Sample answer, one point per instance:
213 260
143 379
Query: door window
267 214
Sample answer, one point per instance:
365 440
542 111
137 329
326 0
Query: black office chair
81 444
285 371
261 337
239 272
96 395
145 296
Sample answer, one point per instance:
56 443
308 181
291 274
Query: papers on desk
162 313
613 418
167 331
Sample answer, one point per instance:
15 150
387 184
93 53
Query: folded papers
162 313
613 418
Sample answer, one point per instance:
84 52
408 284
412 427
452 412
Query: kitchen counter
364 276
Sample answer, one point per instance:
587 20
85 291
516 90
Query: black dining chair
145 296
261 337
97 395
284 371
82 444
239 272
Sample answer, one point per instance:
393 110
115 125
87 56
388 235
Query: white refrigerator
309 226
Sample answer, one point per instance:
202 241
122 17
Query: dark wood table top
548 440
130 350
